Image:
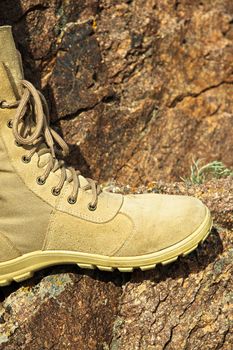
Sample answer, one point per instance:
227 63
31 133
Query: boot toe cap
161 221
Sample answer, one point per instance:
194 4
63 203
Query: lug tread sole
23 275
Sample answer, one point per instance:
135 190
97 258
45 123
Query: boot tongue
11 59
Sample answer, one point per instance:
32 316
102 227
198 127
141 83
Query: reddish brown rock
63 310
185 306
140 87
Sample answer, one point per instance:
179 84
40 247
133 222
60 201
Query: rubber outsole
23 267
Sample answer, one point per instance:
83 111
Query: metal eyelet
92 207
10 123
17 143
2 102
55 191
71 200
40 181
26 159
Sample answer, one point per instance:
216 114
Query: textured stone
138 88
185 306
59 310
132 80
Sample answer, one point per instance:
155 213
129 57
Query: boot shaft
11 59
19 206
10 72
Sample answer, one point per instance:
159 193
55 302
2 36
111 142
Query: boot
50 214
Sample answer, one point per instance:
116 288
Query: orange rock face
139 88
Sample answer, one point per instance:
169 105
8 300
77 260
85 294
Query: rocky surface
129 80
138 88
186 306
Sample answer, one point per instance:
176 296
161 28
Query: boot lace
31 127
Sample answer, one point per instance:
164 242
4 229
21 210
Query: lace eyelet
40 181
92 207
55 191
26 159
17 143
2 102
10 123
71 200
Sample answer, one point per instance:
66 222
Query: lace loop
31 127
4 104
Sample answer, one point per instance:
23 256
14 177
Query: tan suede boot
49 214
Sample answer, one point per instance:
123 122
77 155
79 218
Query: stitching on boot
129 237
49 228
9 243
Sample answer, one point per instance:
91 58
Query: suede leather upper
159 221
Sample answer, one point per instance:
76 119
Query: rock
60 310
185 306
138 88
132 80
